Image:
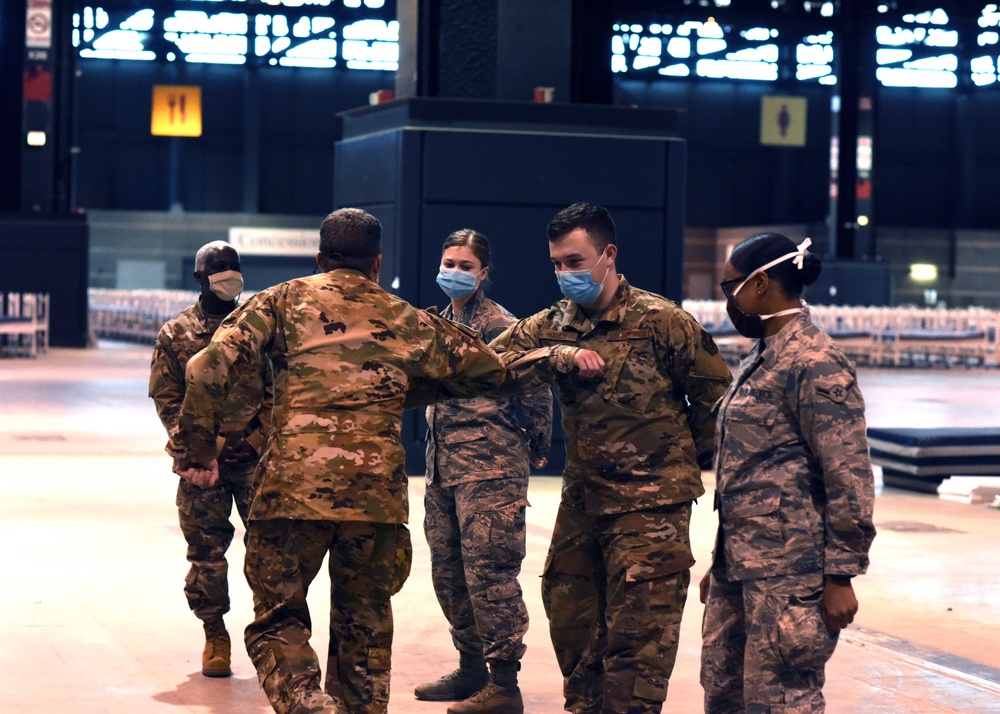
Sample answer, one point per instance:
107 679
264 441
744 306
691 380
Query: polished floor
93 618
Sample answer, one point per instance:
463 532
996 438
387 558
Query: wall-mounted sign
176 110
38 28
783 121
274 241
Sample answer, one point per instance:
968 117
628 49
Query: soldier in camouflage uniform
618 567
795 495
347 357
204 513
477 486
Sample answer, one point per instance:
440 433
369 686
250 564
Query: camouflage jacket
480 438
347 357
246 415
795 490
634 437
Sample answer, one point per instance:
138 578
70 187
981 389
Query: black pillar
37 142
591 76
857 88
503 49
12 24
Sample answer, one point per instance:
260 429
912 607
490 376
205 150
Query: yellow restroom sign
783 121
176 110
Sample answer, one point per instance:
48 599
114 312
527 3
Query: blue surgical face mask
580 286
457 284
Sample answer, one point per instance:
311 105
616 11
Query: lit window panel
292 33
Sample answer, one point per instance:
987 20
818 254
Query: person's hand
204 475
538 462
703 586
235 453
838 606
588 363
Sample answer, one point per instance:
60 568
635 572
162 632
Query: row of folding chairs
134 315
876 336
24 323
882 336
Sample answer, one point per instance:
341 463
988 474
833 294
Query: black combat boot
469 678
500 696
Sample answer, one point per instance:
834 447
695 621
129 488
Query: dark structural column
503 49
857 87
43 242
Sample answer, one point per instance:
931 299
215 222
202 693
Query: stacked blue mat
920 459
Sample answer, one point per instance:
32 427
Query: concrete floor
94 620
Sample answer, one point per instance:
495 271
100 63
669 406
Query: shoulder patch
708 344
836 393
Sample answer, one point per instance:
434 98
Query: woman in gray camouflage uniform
794 494
477 484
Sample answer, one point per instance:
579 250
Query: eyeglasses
728 285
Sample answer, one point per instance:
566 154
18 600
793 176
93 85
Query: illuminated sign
176 110
274 241
783 121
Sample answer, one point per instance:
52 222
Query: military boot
469 678
501 695
216 657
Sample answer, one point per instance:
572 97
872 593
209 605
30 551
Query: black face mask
747 325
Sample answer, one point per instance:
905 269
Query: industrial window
924 49
350 34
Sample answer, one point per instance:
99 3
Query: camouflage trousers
476 533
614 589
204 519
765 646
368 562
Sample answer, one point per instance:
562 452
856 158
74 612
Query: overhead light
862 220
923 272
36 138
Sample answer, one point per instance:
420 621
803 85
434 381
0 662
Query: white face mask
226 285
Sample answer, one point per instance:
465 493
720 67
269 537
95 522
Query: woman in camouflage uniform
794 494
477 483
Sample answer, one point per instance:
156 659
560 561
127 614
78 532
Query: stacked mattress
920 459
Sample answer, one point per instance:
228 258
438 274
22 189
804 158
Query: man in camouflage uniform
477 492
204 512
795 495
348 357
618 567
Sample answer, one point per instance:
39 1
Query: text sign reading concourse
176 110
274 241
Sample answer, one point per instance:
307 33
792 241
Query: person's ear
376 267
612 252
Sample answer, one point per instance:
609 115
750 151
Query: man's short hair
350 233
590 217
201 257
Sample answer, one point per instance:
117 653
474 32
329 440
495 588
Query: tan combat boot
216 658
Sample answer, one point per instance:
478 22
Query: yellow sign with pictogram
783 121
176 110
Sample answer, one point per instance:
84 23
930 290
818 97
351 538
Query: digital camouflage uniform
795 496
475 500
618 567
204 512
348 357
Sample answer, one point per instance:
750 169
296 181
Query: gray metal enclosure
427 167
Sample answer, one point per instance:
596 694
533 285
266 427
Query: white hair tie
800 255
